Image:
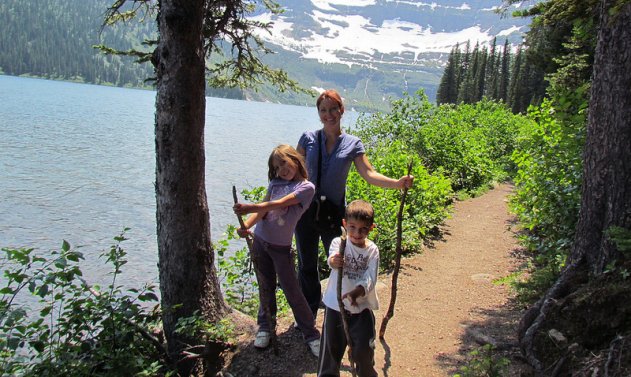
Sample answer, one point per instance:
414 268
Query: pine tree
466 82
480 75
515 81
502 91
448 88
490 88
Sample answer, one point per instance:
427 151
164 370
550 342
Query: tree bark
605 197
188 280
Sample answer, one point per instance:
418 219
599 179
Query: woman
338 151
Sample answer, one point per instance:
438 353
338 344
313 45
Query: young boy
359 265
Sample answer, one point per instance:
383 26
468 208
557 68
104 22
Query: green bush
472 144
427 203
548 156
73 329
484 362
236 271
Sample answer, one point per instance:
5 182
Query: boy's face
357 231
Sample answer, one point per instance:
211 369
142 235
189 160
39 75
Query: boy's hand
336 261
355 293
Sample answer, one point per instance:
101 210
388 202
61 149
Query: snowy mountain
376 49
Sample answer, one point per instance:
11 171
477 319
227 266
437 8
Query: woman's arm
301 150
365 169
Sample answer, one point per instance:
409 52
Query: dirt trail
446 303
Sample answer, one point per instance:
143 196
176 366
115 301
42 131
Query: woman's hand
407 181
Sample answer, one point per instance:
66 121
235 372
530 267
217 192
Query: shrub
73 329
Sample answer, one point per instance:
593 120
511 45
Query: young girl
289 194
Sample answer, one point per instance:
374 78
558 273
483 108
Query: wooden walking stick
340 274
266 309
397 265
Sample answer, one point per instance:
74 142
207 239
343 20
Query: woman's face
330 113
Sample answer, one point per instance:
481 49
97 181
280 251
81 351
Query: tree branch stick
266 309
340 274
397 266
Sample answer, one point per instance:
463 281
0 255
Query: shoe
314 347
262 339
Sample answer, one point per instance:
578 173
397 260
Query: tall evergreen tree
502 89
189 32
448 87
480 74
516 82
466 82
605 208
490 86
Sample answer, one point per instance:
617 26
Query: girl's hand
243 232
242 209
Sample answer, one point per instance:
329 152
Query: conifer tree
504 76
515 82
466 82
448 88
480 74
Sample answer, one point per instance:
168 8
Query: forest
566 153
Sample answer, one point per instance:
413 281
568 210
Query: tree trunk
606 197
188 280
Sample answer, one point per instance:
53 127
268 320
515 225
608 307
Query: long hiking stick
253 257
341 304
397 266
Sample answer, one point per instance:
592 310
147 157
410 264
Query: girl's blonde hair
287 153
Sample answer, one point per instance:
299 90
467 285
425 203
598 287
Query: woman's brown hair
333 95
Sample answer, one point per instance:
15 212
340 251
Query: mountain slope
370 50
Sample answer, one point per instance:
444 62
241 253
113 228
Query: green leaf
7 291
148 297
43 290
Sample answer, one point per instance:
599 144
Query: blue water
77 163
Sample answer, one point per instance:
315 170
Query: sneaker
262 339
314 347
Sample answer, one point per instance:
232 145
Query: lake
77 163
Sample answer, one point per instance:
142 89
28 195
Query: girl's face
330 113
285 168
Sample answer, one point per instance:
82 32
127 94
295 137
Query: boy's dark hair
360 210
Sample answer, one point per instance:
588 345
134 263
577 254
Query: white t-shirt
360 268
